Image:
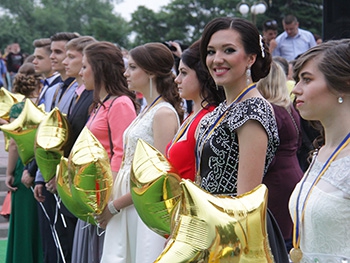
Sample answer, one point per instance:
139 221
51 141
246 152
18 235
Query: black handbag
276 240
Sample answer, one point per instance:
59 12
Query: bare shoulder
164 112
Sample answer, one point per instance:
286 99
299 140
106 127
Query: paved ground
3 153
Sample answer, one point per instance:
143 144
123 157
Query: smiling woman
236 57
242 130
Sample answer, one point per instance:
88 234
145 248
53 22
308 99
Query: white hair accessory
262 46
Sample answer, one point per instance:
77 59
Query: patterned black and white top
219 155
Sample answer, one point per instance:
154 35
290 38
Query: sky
127 7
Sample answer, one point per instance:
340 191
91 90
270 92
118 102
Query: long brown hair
209 92
157 59
107 64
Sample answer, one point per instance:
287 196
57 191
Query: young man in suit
78 111
57 224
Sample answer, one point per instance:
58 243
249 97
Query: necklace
98 108
184 127
296 254
211 128
137 120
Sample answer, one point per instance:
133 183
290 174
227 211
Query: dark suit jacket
78 115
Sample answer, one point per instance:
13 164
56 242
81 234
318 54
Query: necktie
44 89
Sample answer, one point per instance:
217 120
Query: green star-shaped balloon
84 181
51 138
23 130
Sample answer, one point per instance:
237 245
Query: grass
3 246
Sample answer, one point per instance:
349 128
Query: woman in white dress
127 238
320 203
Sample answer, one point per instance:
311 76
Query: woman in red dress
196 84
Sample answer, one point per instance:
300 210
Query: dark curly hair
26 80
208 90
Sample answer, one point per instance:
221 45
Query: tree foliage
25 20
184 20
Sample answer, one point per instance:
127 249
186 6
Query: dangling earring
248 74
340 100
150 87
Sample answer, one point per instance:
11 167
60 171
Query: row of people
292 42
10 62
224 135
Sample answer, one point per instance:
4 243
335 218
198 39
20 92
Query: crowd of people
261 106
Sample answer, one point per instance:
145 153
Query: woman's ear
251 59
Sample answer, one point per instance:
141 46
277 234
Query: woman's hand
9 182
103 218
2 121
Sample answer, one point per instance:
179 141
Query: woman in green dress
23 243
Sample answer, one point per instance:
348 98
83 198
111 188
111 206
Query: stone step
3 187
2 218
4 224
4 227
2 197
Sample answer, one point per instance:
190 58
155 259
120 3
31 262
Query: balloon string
53 229
59 207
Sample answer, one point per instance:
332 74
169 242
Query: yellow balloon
221 229
64 184
155 188
23 130
7 142
203 227
86 180
51 138
7 100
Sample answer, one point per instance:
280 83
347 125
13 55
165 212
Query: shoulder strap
109 129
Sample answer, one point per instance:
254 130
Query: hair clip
262 46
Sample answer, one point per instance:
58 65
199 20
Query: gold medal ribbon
296 253
207 133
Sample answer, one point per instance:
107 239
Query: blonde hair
274 86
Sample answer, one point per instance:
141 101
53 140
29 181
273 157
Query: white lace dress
325 231
127 238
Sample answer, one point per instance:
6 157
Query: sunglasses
271 23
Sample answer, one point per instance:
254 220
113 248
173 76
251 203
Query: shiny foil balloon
155 187
23 130
51 138
7 100
64 184
217 229
88 181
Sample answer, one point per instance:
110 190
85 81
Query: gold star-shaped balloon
203 227
155 187
64 185
51 138
221 229
23 130
7 100
85 181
